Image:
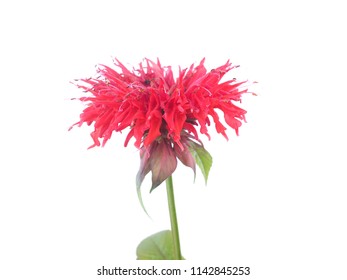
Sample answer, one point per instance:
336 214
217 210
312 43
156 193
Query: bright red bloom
162 112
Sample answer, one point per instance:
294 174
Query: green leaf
158 246
202 158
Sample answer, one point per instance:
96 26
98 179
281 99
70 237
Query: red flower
162 112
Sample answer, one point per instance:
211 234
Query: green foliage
202 158
158 246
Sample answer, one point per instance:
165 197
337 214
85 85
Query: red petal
154 128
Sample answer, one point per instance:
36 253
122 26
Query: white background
276 198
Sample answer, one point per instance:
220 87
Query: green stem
173 218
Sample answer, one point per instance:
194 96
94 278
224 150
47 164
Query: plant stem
173 218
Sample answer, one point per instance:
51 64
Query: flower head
163 113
